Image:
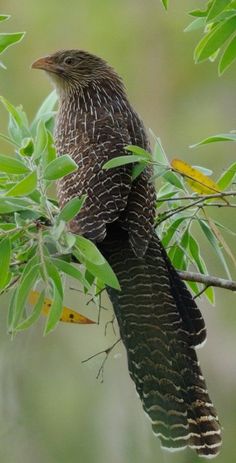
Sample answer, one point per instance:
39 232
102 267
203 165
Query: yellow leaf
221 239
196 179
68 315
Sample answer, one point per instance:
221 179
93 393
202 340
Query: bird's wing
107 190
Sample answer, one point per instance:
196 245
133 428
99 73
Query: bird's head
72 69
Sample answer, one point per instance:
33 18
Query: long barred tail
160 325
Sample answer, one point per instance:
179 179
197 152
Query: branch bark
208 280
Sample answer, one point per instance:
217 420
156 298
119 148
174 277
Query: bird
160 324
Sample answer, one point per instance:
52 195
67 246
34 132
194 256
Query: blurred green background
52 408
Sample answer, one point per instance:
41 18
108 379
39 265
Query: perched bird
160 324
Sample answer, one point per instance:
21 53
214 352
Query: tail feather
159 325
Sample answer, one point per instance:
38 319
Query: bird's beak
46 63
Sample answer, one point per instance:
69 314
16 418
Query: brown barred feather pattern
160 324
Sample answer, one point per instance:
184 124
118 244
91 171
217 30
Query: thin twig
208 280
201 292
203 197
110 322
107 352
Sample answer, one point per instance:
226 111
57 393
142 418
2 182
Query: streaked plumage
159 321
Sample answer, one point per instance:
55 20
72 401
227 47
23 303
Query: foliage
218 22
6 40
185 194
36 245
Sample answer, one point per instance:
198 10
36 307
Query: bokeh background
52 408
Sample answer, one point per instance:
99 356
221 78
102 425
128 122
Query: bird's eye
69 60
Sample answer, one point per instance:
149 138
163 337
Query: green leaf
71 209
25 187
55 310
27 148
45 111
9 140
165 3
215 39
159 155
60 167
71 270
137 170
4 17
54 275
169 233
8 205
26 283
228 56
5 256
193 287
227 177
174 179
123 160
33 317
177 256
11 165
209 293
195 253
89 251
215 244
50 153
144 154
216 138
217 7
104 273
17 114
6 40
41 139
199 13
195 24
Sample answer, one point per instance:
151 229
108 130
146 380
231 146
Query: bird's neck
109 95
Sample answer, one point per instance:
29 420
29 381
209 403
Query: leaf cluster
185 194
36 245
218 23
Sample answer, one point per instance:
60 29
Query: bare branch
203 197
107 352
208 280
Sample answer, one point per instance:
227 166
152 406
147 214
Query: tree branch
208 280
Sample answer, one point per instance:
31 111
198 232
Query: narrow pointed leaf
71 209
11 165
71 270
228 56
33 317
217 7
4 17
6 40
215 39
123 160
24 288
46 109
139 152
89 251
54 275
216 138
5 255
60 167
54 312
227 177
25 187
